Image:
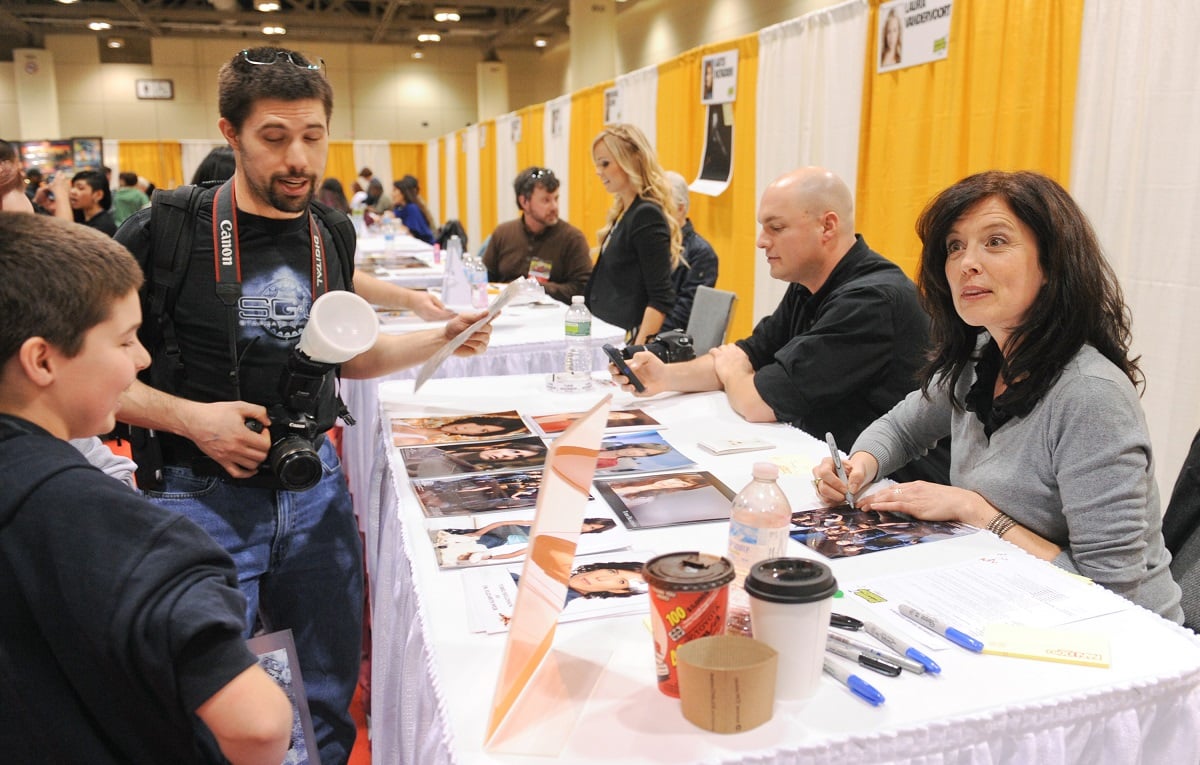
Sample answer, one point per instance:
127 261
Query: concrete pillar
37 93
491 88
593 43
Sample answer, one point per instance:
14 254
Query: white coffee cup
790 601
340 326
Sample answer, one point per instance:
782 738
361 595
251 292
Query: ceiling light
418 54
266 6
99 25
429 37
68 2
541 42
446 14
116 42
269 29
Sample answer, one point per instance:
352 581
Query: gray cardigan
1077 470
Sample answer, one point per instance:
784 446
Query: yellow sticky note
1065 646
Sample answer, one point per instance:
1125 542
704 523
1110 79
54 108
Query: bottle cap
790 580
576 299
767 471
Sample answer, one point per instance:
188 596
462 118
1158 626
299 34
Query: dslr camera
309 406
672 346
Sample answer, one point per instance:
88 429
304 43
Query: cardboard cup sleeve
727 683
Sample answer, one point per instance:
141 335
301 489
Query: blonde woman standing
640 244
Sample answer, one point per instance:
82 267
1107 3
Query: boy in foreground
121 639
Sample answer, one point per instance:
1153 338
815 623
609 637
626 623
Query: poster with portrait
88 153
472 493
718 78
913 32
843 531
716 164
492 538
612 106
667 499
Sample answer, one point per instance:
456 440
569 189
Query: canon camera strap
227 260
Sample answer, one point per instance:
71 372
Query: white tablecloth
432 680
371 247
526 339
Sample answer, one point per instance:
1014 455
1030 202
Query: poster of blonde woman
912 32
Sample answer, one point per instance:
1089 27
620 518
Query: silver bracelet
1001 524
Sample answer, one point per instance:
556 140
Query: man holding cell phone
843 346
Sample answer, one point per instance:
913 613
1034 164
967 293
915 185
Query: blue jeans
299 563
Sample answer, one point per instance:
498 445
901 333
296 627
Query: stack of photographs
504 537
609 584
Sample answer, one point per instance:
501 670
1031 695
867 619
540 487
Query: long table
433 680
526 339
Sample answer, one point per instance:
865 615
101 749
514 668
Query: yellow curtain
458 144
727 221
160 162
409 159
487 181
441 165
589 201
1003 99
531 149
340 165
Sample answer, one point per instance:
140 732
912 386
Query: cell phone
619 362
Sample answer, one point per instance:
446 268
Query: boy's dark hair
128 179
96 180
7 152
218 165
256 74
532 177
60 281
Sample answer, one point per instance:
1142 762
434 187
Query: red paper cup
689 596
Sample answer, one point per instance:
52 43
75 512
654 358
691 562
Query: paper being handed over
443 353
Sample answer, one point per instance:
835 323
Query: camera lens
295 463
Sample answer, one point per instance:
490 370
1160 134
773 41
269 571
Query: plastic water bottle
759 522
477 277
456 290
578 327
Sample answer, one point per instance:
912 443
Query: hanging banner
913 32
718 78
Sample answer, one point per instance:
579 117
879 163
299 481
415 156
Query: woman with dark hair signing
1030 375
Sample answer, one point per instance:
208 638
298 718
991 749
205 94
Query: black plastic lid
688 572
791 580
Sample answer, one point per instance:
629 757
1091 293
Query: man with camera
224 339
844 344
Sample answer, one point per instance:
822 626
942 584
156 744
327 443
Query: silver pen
904 662
837 464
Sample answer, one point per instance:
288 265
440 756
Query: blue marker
958 637
901 647
859 687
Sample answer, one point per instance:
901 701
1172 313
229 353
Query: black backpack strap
345 238
172 226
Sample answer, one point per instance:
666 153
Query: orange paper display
542 591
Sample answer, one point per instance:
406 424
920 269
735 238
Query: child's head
61 282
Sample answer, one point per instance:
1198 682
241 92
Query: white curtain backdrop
376 155
506 167
1135 170
193 153
472 139
453 152
112 157
809 105
557 132
638 100
433 183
